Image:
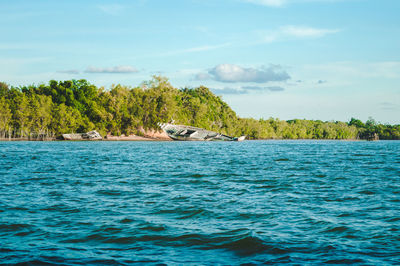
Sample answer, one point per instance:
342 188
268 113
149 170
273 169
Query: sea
200 203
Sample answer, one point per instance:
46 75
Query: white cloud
275 88
292 32
202 76
205 48
301 31
112 9
258 88
196 49
386 70
234 73
247 90
389 106
71 71
230 91
275 3
116 69
280 3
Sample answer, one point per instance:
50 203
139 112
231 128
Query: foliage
78 106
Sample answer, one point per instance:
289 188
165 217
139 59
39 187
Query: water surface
200 202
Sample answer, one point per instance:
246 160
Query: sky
327 60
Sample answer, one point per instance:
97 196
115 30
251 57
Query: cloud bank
290 32
247 90
275 3
71 71
389 106
112 70
302 31
233 73
281 3
228 91
257 88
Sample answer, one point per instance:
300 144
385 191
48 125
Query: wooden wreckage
91 135
175 132
189 133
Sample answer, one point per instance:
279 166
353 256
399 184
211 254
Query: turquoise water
299 202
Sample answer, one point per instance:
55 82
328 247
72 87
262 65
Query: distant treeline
49 110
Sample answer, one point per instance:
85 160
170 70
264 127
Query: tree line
50 110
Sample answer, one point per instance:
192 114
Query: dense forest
78 106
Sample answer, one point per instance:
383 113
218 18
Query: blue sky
312 59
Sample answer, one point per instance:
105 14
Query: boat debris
91 135
182 132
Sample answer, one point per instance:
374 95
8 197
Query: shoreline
139 138
136 138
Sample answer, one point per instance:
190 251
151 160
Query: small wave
7 250
361 155
111 230
396 219
243 244
120 240
190 214
184 213
109 192
301 168
181 197
379 236
249 215
266 186
366 192
153 228
200 181
348 214
350 236
338 229
281 160
14 227
348 198
37 262
104 262
18 209
251 245
89 238
196 175
61 208
126 221
53 260
56 193
23 233
344 261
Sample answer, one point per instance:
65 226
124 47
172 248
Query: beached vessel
182 132
91 135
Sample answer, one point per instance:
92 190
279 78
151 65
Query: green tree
5 118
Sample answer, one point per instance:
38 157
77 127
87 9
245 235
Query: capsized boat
182 132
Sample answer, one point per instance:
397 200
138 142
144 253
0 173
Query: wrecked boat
91 135
182 132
